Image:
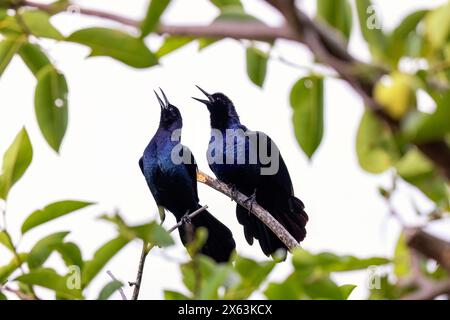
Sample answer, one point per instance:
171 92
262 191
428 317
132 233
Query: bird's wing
281 178
191 168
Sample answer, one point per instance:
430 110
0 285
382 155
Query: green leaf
289 289
338 14
402 257
71 254
196 244
322 288
171 44
36 22
15 162
235 14
375 146
101 257
221 4
306 99
437 26
116 44
51 105
173 295
308 285
5 240
416 169
408 24
256 65
423 127
206 42
404 35
370 25
203 277
8 48
151 232
109 289
13 265
346 290
252 275
154 12
51 212
43 248
34 57
305 261
3 297
49 279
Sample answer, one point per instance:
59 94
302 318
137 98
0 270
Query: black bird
174 184
274 192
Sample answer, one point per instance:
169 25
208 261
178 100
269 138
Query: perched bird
274 191
173 184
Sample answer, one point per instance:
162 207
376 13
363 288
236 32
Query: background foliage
421 36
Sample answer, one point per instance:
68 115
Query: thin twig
254 208
122 293
18 293
190 216
147 247
137 283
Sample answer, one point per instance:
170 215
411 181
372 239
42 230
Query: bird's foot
186 219
251 200
234 191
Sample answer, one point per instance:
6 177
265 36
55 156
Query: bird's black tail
292 216
220 243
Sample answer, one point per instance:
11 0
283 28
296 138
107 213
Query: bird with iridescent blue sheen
173 184
274 192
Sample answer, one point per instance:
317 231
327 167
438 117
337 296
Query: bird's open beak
162 104
165 98
210 98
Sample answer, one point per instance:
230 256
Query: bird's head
170 115
221 109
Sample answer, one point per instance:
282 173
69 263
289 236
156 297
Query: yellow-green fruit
396 96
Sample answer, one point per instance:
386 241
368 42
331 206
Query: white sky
113 115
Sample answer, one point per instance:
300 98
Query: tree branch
147 247
256 209
430 291
430 246
251 30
